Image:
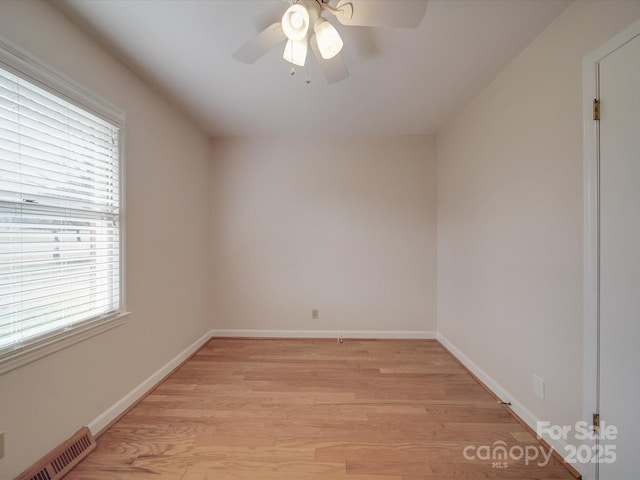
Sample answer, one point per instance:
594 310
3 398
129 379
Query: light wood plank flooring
314 410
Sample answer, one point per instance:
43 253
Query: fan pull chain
293 69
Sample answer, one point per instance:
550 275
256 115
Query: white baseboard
371 334
134 395
503 394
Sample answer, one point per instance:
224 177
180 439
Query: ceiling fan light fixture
296 52
329 41
295 22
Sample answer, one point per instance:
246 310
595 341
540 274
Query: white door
619 266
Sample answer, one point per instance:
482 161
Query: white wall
510 211
168 240
343 225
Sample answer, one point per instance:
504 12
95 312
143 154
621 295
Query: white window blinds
59 215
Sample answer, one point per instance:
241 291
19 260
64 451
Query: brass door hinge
596 422
596 109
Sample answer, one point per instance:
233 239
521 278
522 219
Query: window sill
22 355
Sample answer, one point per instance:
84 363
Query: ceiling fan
304 25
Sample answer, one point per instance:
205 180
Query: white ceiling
403 81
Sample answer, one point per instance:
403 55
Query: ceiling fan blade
334 69
260 44
381 13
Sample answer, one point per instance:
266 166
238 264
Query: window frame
25 65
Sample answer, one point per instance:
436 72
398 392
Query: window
61 265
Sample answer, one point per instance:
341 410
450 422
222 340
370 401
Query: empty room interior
375 265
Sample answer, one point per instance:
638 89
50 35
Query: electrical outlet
538 387
314 314
1 444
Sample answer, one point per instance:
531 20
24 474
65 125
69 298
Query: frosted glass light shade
295 22
328 38
296 52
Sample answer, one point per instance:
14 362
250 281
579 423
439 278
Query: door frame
591 168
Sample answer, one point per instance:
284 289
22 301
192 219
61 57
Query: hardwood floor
316 410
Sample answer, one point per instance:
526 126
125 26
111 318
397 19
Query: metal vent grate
43 475
57 464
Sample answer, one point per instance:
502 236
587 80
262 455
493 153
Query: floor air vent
57 464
